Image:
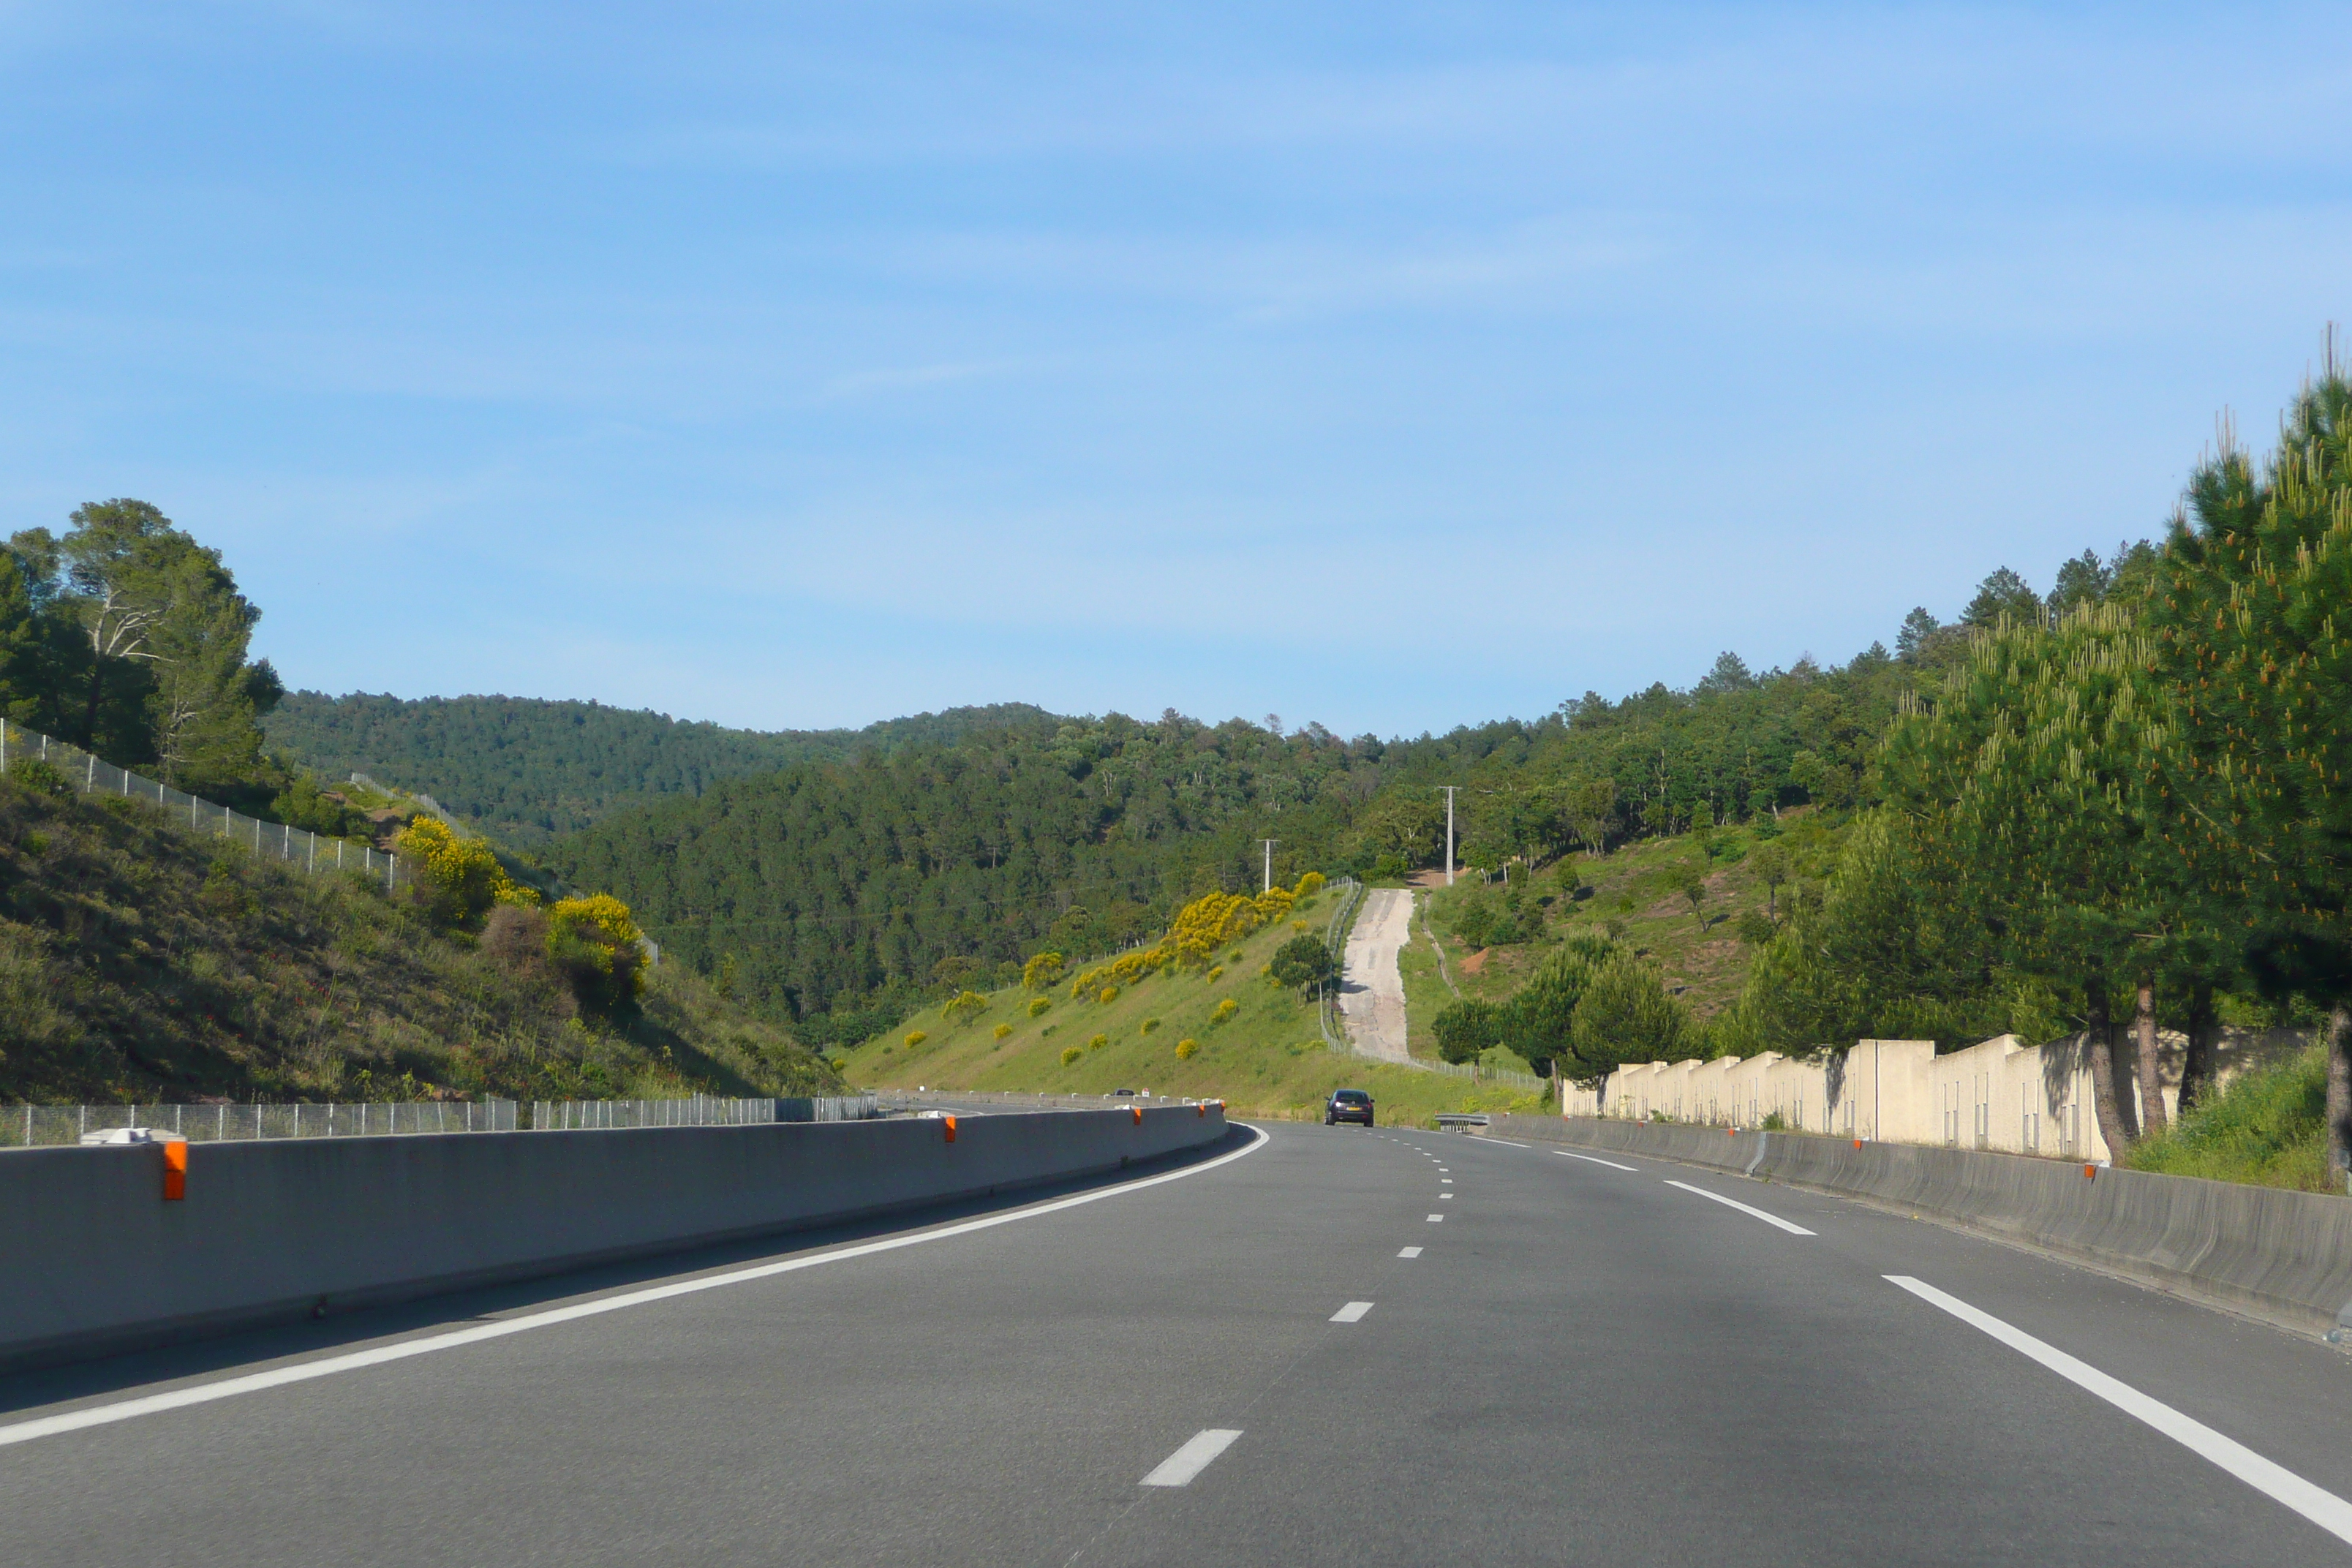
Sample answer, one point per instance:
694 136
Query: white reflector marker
2323 1509
1590 1160
1410 1252
1179 1468
1743 1208
1353 1313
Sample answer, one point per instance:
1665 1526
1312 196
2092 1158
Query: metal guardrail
25 1126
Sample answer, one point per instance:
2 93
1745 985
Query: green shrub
1150 1025
39 776
1070 1054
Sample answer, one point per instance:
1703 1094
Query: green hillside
528 770
142 960
860 886
1267 1059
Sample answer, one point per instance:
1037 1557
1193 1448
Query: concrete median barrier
275 1230
2282 1255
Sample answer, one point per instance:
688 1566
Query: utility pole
1449 790
1269 843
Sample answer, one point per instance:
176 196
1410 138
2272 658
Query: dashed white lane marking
303 1371
2322 1507
1179 1468
1743 1208
1410 1252
1444 1197
1610 1163
1445 1181
1353 1313
1435 1219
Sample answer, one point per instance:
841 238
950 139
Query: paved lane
1371 997
1582 1363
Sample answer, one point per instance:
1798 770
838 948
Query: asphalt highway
1324 1345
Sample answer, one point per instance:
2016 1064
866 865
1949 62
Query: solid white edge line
1410 1252
1505 1142
1179 1468
2322 1507
328 1366
1743 1208
1592 1159
1353 1313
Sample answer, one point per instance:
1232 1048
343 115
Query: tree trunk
2104 1103
2339 1093
2197 1059
2153 1121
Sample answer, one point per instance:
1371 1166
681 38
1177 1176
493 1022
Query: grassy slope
1631 888
140 960
2269 1128
1268 1060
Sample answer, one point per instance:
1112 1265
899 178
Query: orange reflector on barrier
175 1171
1201 1110
948 1122
2089 1172
1139 1114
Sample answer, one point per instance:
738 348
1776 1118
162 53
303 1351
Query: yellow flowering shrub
1217 972
1040 972
1225 1010
1070 1054
1150 1025
963 1007
1107 995
1037 1005
596 944
1098 1042
458 880
914 1038
1187 1049
1002 1029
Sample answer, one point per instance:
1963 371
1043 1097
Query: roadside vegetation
2268 1127
139 960
1220 1029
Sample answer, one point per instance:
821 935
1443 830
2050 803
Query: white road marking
1743 1208
1446 1197
328 1366
1445 1182
1353 1313
1505 1142
1410 1252
1179 1468
2322 1507
1610 1163
1435 1219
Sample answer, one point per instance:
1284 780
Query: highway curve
1582 1363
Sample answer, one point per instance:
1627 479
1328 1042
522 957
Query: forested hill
529 770
860 881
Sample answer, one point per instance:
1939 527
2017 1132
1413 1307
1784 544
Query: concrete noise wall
2282 1255
100 1261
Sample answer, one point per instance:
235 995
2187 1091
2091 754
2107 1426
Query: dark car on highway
1348 1105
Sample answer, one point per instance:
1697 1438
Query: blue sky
1393 367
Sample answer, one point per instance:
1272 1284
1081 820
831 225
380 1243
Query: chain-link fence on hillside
27 1125
702 1111
274 840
